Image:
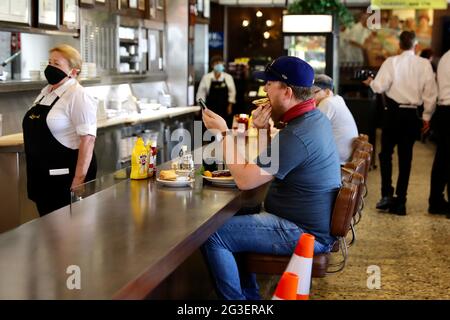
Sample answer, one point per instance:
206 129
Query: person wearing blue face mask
217 88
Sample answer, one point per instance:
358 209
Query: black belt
404 105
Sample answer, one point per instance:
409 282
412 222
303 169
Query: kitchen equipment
4 74
165 100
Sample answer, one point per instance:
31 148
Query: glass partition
101 183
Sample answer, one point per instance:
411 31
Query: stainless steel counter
14 142
125 240
16 208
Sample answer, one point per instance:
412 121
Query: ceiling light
266 35
269 23
245 23
259 14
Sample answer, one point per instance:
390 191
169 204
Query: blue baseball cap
290 70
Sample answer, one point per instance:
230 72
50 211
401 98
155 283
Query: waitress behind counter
59 133
218 90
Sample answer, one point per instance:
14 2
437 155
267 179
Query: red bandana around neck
298 110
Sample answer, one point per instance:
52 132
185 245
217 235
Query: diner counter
125 240
14 142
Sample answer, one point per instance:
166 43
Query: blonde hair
70 54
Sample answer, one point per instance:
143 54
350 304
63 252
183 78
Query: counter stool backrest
360 154
350 176
344 209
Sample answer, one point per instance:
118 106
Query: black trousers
401 128
440 174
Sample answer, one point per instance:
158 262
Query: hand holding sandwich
261 115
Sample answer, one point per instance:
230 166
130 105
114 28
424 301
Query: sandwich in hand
260 102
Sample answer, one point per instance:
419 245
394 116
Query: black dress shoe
441 207
398 208
384 203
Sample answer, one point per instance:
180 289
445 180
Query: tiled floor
412 251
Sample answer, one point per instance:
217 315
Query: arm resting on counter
85 153
247 175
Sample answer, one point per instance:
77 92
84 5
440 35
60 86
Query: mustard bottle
139 160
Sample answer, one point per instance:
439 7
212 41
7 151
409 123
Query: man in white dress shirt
440 174
342 121
408 82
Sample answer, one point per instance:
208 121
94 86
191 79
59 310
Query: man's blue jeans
261 233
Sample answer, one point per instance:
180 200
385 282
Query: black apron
44 153
217 100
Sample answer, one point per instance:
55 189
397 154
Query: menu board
15 11
48 12
410 4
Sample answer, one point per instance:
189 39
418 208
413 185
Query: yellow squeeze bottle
139 160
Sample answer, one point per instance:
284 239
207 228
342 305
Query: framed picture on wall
87 3
123 4
141 5
206 8
152 8
48 12
16 11
133 4
70 17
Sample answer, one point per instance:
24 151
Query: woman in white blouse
59 134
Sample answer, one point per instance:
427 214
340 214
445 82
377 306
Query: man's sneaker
385 203
441 207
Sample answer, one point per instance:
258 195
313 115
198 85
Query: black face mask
54 75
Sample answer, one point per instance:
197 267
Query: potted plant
330 7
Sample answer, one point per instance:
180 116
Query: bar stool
341 219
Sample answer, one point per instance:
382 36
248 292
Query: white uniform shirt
409 80
205 84
443 78
343 125
73 115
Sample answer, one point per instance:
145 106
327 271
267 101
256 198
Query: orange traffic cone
287 287
301 264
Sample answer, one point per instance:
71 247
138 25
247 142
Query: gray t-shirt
343 124
308 175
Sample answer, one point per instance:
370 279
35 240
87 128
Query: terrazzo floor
412 252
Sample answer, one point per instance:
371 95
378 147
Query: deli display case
313 38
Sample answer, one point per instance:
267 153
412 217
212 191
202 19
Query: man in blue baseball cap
303 171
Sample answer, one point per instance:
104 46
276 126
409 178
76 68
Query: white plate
175 183
221 181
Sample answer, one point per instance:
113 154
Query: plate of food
220 177
170 178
